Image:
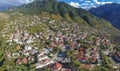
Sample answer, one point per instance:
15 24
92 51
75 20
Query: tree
68 54
75 64
46 69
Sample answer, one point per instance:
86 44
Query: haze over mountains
110 12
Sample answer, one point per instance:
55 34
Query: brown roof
94 49
18 47
81 49
86 66
24 60
18 61
94 58
57 65
72 45
67 70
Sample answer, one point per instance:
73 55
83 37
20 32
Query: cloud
102 3
14 2
117 1
75 4
26 1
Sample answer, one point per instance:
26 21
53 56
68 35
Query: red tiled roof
57 65
24 60
67 70
18 61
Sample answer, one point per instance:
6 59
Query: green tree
75 64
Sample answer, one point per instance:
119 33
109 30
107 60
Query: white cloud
26 1
14 2
75 4
101 3
88 1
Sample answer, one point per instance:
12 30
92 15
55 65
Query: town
62 51
35 43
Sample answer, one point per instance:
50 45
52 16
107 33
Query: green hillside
58 27
61 10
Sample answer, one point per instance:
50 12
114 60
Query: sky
86 4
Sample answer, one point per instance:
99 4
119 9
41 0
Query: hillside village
62 47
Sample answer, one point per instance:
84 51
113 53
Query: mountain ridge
109 12
62 11
40 31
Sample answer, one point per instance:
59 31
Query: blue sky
86 4
76 3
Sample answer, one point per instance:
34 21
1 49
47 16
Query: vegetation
50 17
60 10
106 62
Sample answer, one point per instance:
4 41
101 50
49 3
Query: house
51 48
79 57
71 46
31 58
65 69
18 47
95 49
93 59
42 57
18 62
85 58
94 53
16 54
24 60
29 41
97 42
33 51
46 50
57 66
28 47
44 63
8 54
86 66
76 52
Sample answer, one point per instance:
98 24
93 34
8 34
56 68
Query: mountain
4 6
110 12
61 10
54 28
